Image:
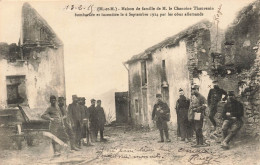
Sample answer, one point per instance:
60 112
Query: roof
28 12
204 24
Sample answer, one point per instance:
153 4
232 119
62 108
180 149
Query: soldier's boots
167 136
227 140
102 139
225 145
161 135
224 134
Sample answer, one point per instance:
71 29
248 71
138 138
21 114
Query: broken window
14 53
164 76
144 73
136 106
16 90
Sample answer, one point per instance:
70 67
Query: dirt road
126 146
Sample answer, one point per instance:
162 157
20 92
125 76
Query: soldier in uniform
74 113
85 121
101 119
93 120
68 129
214 96
196 113
161 114
184 126
232 115
56 126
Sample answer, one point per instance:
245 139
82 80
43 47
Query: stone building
198 55
34 69
174 63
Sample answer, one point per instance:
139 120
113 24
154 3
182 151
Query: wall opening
164 77
136 106
16 90
144 73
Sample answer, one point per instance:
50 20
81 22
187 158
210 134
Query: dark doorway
122 107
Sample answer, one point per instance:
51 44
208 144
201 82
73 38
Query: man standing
93 119
196 113
74 113
101 119
85 120
184 129
161 114
232 116
56 126
214 96
66 122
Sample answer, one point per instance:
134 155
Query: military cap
74 96
180 90
231 93
194 87
92 100
52 97
158 95
82 98
61 98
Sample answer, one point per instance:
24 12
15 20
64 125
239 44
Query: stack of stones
252 99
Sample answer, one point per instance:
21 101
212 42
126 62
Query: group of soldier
191 114
79 122
75 123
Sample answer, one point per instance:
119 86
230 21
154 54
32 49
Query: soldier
56 126
184 129
93 120
214 96
85 121
232 115
196 114
61 104
101 119
161 114
74 113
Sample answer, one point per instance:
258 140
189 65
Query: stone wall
38 57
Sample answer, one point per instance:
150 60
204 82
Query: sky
96 47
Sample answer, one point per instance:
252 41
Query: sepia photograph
156 82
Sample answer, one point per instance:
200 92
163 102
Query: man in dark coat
93 120
214 96
232 115
161 114
184 129
66 121
101 119
196 113
85 121
56 126
74 113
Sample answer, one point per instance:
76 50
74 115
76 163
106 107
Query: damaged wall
40 60
244 56
236 66
169 68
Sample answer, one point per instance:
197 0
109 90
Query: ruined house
168 66
34 69
198 55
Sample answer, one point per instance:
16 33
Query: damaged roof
31 21
204 24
